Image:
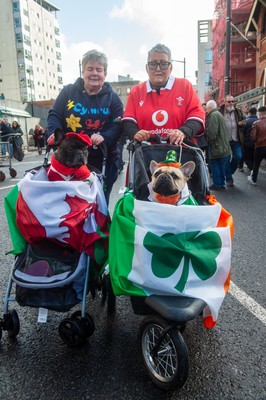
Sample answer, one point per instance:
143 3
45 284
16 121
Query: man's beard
230 108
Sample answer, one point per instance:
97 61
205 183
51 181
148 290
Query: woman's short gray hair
160 48
211 104
95 55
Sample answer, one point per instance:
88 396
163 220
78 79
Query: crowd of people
163 105
10 137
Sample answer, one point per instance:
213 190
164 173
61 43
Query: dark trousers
259 155
248 156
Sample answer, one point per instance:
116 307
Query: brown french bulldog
168 181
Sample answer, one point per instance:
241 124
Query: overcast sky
126 29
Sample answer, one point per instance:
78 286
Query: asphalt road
227 362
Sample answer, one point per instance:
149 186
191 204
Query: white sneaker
251 180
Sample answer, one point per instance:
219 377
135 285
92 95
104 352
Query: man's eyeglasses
230 101
164 65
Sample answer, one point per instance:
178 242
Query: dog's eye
173 175
157 173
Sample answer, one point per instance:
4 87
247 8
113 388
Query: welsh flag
167 250
72 213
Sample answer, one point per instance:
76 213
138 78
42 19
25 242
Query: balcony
245 59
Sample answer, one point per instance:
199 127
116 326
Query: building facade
30 57
204 75
241 48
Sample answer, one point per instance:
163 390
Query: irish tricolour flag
72 213
166 250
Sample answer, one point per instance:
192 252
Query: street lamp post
227 49
184 63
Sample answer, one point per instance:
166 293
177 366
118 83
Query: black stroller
50 273
163 349
10 141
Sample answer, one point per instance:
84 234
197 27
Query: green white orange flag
166 250
72 213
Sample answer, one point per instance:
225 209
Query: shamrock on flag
73 213
166 250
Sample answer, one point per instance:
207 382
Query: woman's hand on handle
142 135
176 136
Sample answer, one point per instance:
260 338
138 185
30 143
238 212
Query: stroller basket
49 276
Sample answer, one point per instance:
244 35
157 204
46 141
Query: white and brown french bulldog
169 180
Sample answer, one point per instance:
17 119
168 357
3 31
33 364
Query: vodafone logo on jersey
159 118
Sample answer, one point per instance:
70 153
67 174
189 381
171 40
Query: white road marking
9 187
248 302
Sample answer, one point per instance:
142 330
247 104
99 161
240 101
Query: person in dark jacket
248 142
90 105
258 133
219 147
4 132
235 122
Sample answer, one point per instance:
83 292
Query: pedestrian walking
258 132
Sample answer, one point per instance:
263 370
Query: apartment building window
19 37
58 55
208 78
17 22
208 56
26 27
27 40
22 83
56 31
28 54
57 43
59 68
25 12
60 80
15 6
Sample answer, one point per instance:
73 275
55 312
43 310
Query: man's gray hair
211 104
95 55
160 48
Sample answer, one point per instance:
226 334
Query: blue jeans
231 166
3 148
217 166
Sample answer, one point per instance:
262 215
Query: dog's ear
188 168
58 136
153 166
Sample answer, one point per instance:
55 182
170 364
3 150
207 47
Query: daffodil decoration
170 160
73 122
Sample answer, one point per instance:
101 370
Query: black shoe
214 187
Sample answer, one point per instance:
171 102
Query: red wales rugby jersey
157 113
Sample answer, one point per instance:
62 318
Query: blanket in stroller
167 250
72 213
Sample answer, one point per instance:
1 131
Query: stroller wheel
12 172
164 353
87 322
72 332
108 294
2 176
11 322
